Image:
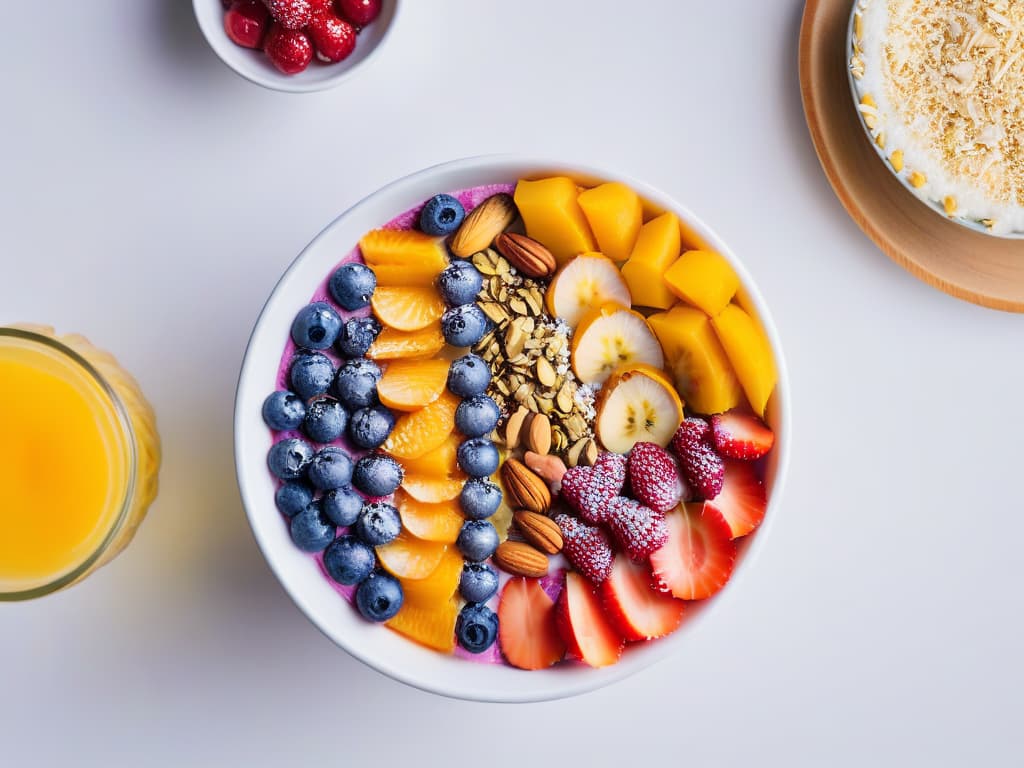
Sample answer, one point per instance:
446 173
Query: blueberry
311 374
478 457
480 498
352 285
378 523
357 335
460 283
348 561
477 540
288 459
464 325
442 215
469 375
311 531
377 475
370 427
293 497
342 506
325 420
331 468
316 326
478 582
356 384
476 627
477 416
283 411
379 596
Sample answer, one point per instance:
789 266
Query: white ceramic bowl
256 67
378 647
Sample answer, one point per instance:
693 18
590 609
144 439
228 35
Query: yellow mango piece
615 215
553 216
704 279
750 353
702 372
657 247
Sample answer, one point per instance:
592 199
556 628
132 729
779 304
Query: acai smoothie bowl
508 428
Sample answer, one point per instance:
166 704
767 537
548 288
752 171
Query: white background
151 198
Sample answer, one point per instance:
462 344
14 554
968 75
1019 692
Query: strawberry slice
741 435
698 557
582 624
743 500
527 632
632 605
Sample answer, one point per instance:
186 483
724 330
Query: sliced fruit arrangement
530 447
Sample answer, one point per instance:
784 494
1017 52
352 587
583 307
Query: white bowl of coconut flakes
939 86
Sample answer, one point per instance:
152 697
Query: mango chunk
553 216
615 215
657 247
703 375
704 279
750 353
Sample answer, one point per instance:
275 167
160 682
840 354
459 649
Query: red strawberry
613 465
701 467
290 14
639 529
698 557
359 12
334 38
587 490
743 500
321 6
245 22
741 435
588 635
290 51
527 631
587 547
634 607
654 477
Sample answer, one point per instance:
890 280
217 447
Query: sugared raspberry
587 548
701 466
614 465
587 490
654 477
639 529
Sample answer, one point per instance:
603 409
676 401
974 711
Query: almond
520 559
526 254
549 467
514 427
526 489
538 438
484 223
540 530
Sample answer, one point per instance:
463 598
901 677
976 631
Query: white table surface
151 198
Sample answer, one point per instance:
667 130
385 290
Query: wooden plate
969 265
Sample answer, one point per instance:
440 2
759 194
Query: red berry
614 465
290 14
741 435
582 623
288 49
246 22
698 558
334 38
639 529
743 499
359 12
587 548
634 607
702 468
654 477
587 490
321 6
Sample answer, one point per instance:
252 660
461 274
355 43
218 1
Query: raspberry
614 465
654 477
639 529
702 467
587 490
290 14
587 548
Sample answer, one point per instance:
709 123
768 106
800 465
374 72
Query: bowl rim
474 681
856 93
218 41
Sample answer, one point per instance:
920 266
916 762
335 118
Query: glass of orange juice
79 456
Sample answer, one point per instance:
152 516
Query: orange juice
79 456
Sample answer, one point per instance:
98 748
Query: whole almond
526 254
538 439
548 466
527 489
521 559
514 427
483 224
540 530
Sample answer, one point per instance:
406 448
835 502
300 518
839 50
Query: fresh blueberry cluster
323 489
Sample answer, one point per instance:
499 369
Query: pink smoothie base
470 198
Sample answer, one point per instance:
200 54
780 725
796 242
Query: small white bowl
299 573
254 65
